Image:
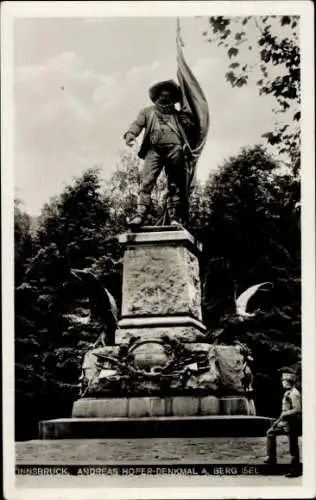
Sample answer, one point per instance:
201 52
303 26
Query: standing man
289 423
166 144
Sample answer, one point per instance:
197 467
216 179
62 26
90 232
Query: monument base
161 378
194 426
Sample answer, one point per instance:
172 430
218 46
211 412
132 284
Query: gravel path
158 450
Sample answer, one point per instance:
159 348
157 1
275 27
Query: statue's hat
166 84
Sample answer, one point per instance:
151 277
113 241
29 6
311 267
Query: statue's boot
173 212
140 216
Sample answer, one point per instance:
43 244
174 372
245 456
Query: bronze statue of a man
166 144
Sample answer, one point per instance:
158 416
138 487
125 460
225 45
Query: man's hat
287 374
170 85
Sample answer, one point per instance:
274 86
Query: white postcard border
147 487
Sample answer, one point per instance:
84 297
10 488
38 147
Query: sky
80 82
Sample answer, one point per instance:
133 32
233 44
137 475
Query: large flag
194 102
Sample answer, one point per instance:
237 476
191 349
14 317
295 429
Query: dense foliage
74 231
251 234
248 218
273 56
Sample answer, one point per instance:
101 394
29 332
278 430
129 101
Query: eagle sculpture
101 305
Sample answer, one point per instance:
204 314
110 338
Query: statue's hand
130 140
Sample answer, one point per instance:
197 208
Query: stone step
197 426
176 406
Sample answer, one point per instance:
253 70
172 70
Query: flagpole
178 37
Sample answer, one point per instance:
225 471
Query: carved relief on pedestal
161 280
151 367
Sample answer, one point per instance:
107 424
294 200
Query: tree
23 241
77 222
27 351
251 234
278 61
72 233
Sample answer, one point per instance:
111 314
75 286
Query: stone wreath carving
145 366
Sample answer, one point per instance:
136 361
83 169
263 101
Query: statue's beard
165 106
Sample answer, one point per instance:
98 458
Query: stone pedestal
161 286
